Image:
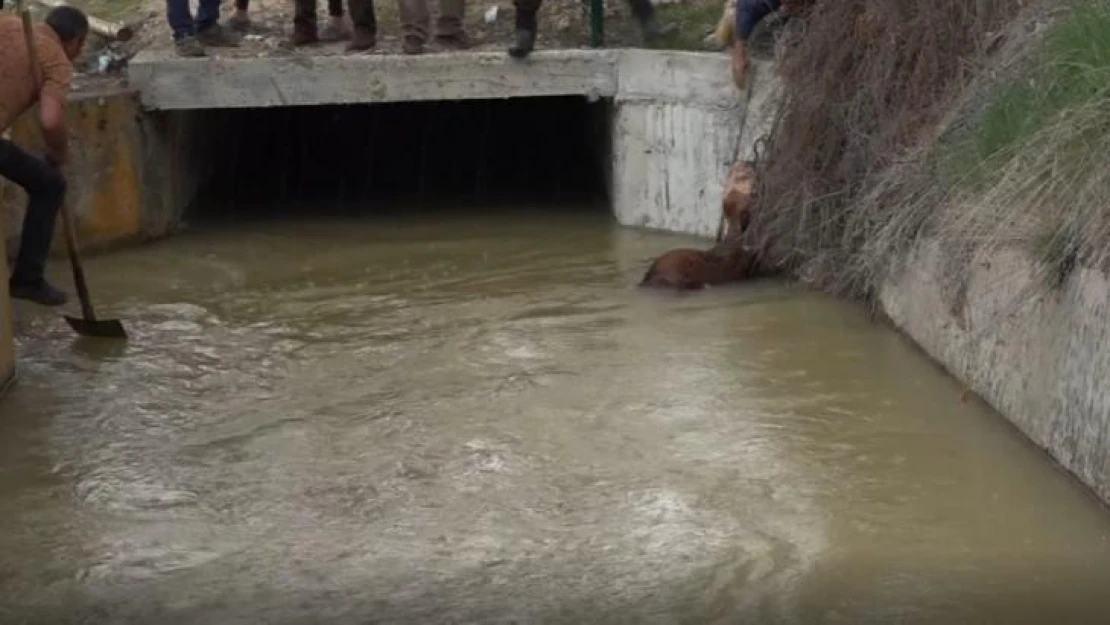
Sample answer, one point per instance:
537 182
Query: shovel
88 324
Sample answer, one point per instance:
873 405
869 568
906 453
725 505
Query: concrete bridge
677 121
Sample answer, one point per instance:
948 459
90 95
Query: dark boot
524 43
189 47
216 36
362 41
412 45
458 42
525 40
41 292
304 35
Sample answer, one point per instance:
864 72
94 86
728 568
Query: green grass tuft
1072 70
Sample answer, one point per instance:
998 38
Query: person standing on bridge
336 29
362 16
526 24
415 21
191 34
57 43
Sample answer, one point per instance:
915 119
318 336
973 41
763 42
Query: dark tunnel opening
384 157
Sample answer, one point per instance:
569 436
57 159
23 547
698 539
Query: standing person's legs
365 23
183 29
644 13
46 190
337 28
209 31
748 14
240 20
304 22
415 22
449 25
180 18
526 24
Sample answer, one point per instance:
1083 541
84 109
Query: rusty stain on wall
105 175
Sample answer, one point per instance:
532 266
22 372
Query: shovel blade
100 328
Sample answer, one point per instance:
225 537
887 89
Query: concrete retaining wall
1040 356
132 175
676 125
7 342
105 175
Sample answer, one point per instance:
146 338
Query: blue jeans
182 22
46 190
751 12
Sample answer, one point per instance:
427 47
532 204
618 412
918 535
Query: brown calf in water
690 269
728 261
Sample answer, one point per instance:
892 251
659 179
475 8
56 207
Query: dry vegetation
895 126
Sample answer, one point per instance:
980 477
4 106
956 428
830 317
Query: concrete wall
132 174
677 121
105 175
7 341
1040 356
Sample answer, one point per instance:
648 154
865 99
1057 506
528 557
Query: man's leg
209 31
46 189
240 20
748 14
644 13
337 28
526 24
304 22
366 25
414 25
184 31
449 25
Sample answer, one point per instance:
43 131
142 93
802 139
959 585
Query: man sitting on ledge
57 44
748 14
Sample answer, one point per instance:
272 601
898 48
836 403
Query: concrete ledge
170 83
660 76
7 342
673 77
1041 357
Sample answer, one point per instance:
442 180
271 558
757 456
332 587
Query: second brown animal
727 261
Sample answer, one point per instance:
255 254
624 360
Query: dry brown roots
863 81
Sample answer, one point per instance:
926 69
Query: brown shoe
412 45
458 41
304 35
362 41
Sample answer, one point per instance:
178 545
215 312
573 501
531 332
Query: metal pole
597 23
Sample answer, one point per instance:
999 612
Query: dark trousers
526 12
335 9
751 12
46 188
182 22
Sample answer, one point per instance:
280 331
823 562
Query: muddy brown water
480 419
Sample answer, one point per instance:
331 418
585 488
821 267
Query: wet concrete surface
480 419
